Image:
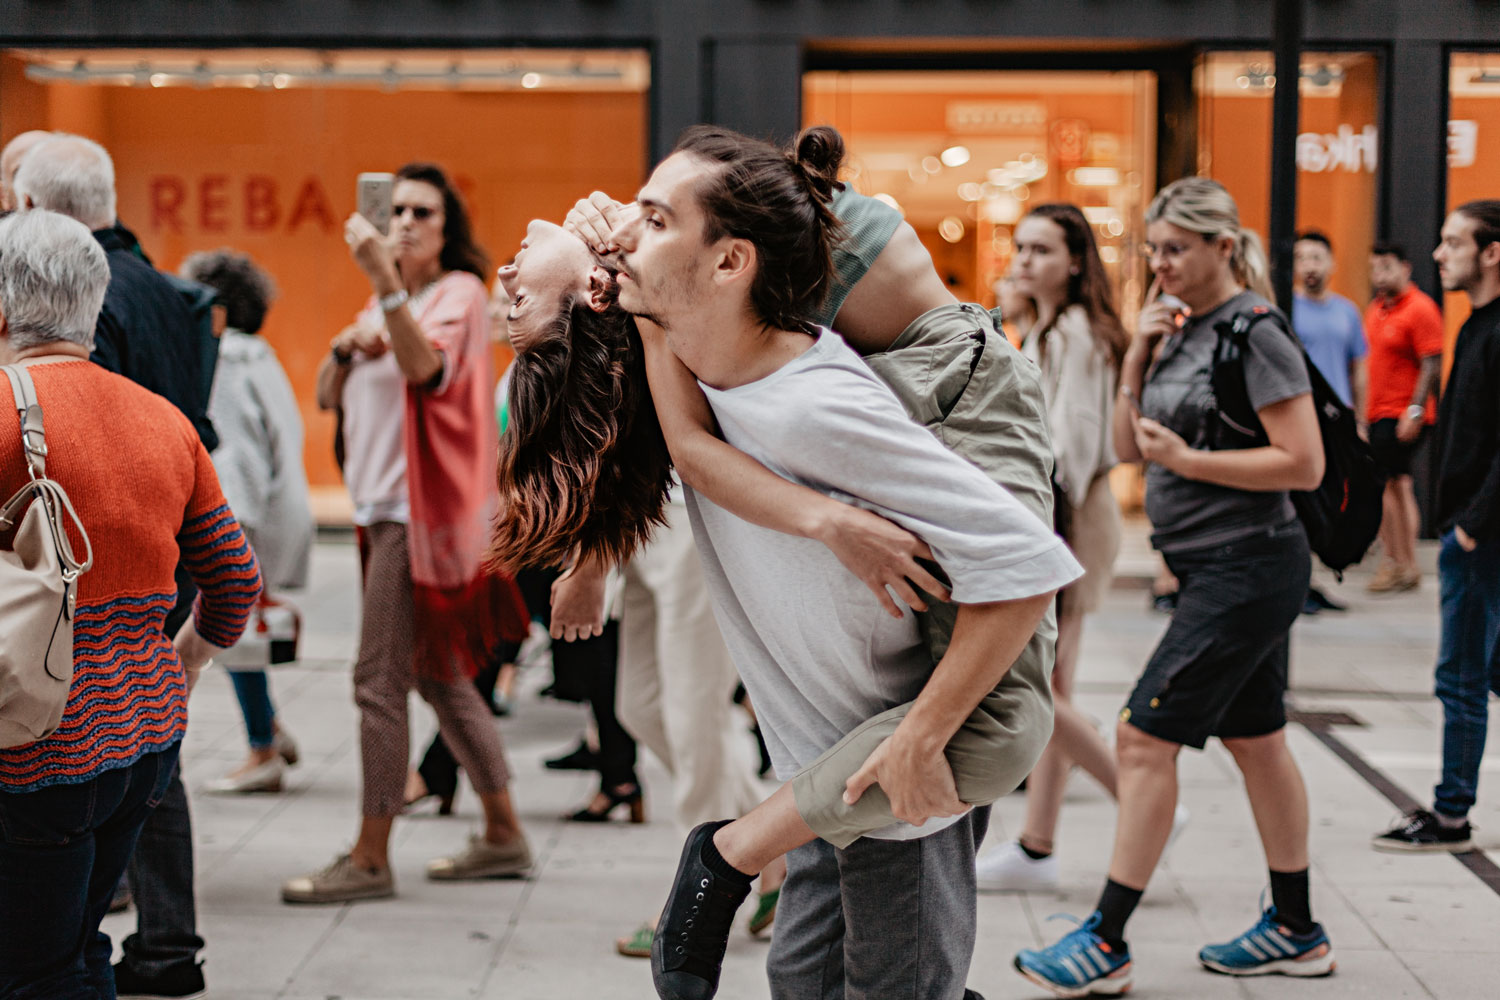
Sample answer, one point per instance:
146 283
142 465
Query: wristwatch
395 300
1416 411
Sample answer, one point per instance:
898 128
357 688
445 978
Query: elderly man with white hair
10 162
73 802
146 332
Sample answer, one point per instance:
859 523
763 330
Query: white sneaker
261 778
1009 869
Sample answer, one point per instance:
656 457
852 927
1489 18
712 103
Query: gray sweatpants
957 376
879 919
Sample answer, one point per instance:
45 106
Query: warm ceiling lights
955 156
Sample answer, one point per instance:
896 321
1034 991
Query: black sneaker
180 982
1422 831
693 933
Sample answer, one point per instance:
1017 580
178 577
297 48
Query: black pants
160 874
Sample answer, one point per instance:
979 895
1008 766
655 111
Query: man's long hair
584 469
778 200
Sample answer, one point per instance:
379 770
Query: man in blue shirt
1329 325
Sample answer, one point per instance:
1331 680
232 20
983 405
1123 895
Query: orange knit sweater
146 493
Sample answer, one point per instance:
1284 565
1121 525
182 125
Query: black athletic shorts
1391 453
1221 668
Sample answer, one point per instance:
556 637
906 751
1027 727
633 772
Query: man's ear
737 261
1490 255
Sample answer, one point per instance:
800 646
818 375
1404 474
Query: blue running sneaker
1271 948
1081 964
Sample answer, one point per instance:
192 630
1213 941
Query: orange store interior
262 155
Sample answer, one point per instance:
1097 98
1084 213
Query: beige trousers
676 680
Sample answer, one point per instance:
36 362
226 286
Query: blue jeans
63 849
1468 667
253 690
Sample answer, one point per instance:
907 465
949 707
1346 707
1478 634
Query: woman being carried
952 371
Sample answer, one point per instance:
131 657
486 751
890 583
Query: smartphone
1180 309
1129 394
372 198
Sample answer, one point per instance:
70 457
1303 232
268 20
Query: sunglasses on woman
420 213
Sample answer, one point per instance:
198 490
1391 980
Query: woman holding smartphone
412 378
1226 527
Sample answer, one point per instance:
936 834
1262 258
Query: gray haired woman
259 462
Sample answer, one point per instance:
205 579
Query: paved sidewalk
1402 927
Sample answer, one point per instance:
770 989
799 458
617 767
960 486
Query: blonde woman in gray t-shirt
1224 523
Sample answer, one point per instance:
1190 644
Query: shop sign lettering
213 203
1345 150
1001 117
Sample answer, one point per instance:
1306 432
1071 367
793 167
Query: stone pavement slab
1402 926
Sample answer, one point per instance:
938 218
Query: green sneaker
765 911
637 945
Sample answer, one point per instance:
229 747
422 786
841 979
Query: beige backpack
38 587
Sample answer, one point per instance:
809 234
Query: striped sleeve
219 559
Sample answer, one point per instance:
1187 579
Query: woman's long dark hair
460 252
584 469
1090 286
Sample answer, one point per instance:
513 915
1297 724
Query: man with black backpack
1467 513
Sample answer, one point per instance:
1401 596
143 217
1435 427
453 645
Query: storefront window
1338 145
259 150
963 154
1473 146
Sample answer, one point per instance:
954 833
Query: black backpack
1342 516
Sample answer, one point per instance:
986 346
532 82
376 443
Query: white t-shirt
817 652
374 403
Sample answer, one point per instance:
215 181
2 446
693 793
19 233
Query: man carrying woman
729 252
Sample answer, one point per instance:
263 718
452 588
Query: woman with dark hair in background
259 463
413 378
1076 341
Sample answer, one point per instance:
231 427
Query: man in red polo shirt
1405 332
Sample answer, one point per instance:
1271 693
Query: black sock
714 862
1033 855
1116 904
1289 896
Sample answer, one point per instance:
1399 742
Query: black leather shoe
180 982
687 953
580 758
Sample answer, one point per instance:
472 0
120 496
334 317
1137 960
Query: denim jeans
161 880
253 690
63 849
1468 667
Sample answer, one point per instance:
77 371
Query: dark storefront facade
959 111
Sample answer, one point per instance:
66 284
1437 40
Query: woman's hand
1160 444
592 219
882 554
1464 540
578 601
372 252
